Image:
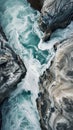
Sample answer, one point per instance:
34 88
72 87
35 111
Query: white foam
57 36
19 21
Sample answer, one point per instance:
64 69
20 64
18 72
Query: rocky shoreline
12 69
55 98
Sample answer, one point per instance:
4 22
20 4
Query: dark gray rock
2 34
12 69
55 14
37 4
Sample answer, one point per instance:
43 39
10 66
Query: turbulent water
19 22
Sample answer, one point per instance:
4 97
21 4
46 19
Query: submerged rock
55 99
55 14
12 70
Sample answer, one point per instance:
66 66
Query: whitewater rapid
19 22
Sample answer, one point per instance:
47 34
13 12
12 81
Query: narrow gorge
36 65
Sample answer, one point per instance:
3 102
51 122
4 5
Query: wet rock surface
55 14
55 99
12 69
36 4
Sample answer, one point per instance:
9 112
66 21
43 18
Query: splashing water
19 22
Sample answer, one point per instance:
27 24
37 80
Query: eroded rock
55 14
55 99
12 70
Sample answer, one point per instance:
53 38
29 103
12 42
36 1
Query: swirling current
20 24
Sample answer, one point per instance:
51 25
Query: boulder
55 14
55 98
12 70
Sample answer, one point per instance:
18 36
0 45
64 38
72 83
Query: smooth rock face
55 99
55 14
12 70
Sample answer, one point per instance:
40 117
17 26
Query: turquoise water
19 22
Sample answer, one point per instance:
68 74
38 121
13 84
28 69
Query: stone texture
55 99
55 14
12 69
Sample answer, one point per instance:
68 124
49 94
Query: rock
55 99
2 34
55 14
0 119
37 4
12 70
